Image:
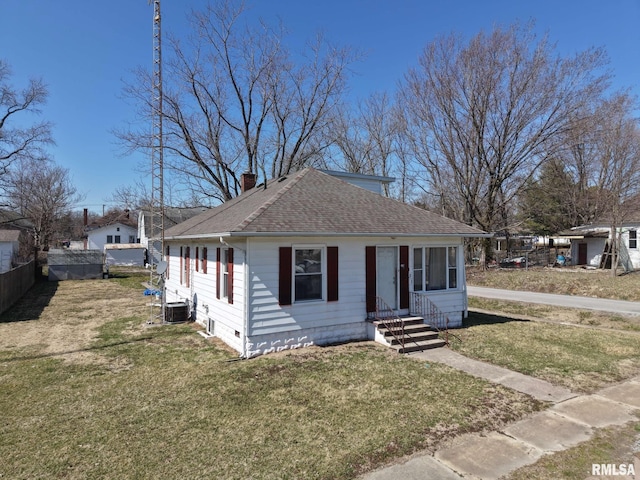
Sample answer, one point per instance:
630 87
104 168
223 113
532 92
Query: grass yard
547 313
581 359
88 391
570 281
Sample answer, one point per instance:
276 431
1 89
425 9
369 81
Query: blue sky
84 49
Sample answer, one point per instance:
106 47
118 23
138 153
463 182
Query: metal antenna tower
156 236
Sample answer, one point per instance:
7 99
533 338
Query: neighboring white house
305 259
590 245
9 245
98 237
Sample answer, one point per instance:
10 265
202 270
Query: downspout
247 299
463 277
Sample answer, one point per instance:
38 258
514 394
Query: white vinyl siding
228 318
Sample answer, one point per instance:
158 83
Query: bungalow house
307 258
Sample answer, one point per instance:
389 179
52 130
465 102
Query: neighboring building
9 246
305 259
591 245
172 217
98 237
22 251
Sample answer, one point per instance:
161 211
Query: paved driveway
589 303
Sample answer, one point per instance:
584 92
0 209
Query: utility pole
156 235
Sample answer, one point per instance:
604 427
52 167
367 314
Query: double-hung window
435 268
308 273
224 273
187 266
224 270
633 239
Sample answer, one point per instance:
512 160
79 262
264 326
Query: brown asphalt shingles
310 201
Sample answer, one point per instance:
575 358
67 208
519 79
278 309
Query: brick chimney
247 181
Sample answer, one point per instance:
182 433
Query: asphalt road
588 303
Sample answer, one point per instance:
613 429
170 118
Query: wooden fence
15 283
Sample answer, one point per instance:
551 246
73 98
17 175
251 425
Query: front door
387 275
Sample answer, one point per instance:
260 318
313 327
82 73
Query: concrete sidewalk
571 419
535 387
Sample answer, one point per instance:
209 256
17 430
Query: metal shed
75 264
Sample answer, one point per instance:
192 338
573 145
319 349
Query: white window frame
423 269
323 271
634 239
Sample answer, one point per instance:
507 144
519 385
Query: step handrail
429 311
392 321
384 314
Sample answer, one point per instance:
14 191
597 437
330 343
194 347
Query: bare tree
132 197
617 166
366 138
42 193
483 116
236 100
18 141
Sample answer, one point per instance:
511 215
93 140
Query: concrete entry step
418 336
410 329
420 346
414 338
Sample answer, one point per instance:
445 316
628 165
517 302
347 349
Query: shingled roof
310 202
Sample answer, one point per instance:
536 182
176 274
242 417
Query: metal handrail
387 316
421 305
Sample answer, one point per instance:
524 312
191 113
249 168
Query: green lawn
163 402
581 359
127 400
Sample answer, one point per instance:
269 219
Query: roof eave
324 234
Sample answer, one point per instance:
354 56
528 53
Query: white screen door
387 275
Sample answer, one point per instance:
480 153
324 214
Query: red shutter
230 275
218 273
284 277
370 274
332 274
168 260
187 260
181 266
197 259
204 259
404 276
